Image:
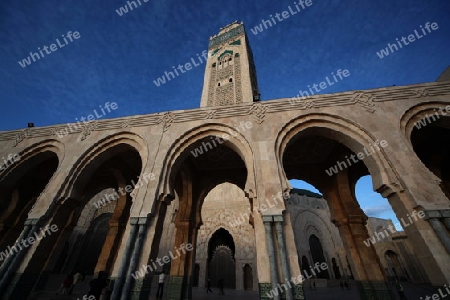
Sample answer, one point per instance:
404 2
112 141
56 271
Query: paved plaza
412 292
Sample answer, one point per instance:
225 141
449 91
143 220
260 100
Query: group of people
220 285
96 285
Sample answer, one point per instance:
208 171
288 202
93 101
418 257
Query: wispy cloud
377 210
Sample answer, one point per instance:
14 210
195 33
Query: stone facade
311 216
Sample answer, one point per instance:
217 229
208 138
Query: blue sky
371 202
117 58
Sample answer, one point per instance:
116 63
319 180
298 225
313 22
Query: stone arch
248 277
319 233
346 132
317 254
19 189
231 214
89 254
331 241
241 251
49 145
424 114
394 264
226 219
414 114
88 214
69 200
179 150
210 187
85 160
222 257
327 130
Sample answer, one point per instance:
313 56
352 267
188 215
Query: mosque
205 193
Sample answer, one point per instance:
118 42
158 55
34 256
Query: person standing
400 290
208 285
76 279
159 292
221 284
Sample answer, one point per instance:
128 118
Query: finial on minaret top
234 22
226 28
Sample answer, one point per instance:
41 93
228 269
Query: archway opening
202 167
19 191
248 278
429 140
377 208
395 268
226 206
92 220
318 256
221 262
93 244
318 156
311 214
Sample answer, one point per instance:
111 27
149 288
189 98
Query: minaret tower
230 75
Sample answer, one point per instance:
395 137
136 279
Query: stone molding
259 110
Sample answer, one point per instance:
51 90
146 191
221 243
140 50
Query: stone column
350 219
270 247
135 256
15 260
446 218
240 263
124 263
112 240
10 258
441 232
284 266
364 262
179 280
190 258
202 274
447 223
434 217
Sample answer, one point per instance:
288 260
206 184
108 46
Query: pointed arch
347 133
416 113
179 151
91 158
46 146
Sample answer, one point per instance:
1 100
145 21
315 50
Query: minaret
230 74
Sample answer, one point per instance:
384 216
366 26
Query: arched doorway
193 174
324 154
337 272
395 269
91 219
221 262
428 139
318 256
305 264
19 191
248 278
93 244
